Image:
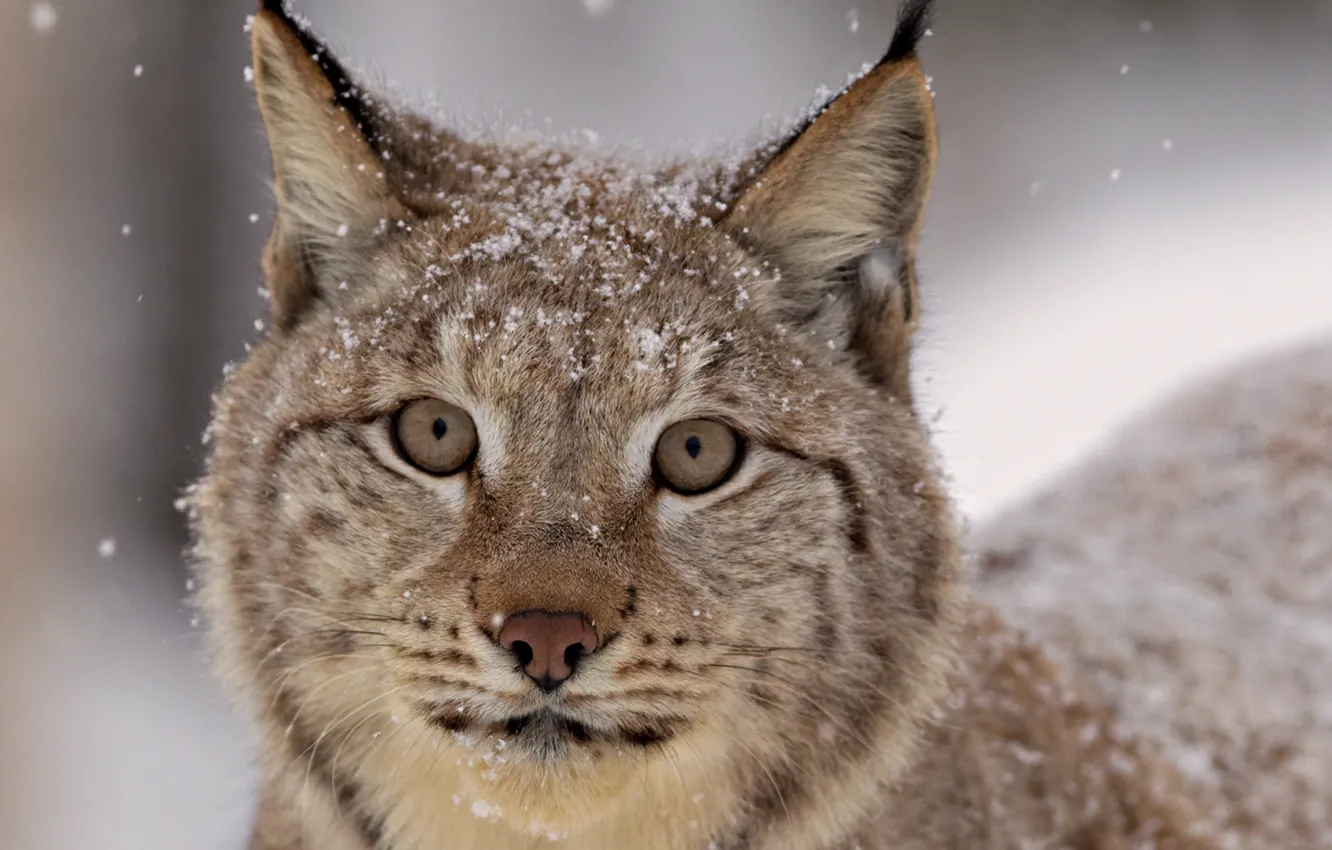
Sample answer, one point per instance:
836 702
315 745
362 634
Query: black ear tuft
912 21
346 93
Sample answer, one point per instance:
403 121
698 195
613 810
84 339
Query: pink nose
548 645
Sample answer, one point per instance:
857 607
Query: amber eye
434 436
697 455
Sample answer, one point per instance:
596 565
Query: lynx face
562 485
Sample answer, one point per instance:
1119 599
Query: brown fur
1187 574
780 664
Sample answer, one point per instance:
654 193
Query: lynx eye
434 436
697 455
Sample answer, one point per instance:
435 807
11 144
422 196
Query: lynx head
562 484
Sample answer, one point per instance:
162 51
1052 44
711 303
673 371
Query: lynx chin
577 501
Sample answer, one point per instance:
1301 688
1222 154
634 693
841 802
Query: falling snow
597 8
42 17
107 548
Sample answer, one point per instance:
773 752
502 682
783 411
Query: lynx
577 501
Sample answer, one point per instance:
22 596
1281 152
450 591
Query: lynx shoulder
1186 574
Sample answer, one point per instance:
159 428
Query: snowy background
1131 193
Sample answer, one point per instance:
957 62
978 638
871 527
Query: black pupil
694 445
440 428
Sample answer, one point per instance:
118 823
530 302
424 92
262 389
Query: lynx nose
548 644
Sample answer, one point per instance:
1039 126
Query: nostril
572 654
523 650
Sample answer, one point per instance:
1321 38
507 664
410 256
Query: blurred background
1132 193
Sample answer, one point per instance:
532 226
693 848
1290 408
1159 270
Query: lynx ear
331 186
837 208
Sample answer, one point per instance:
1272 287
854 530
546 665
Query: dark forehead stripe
348 797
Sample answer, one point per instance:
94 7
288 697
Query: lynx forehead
577 499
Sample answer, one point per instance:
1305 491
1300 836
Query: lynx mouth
550 733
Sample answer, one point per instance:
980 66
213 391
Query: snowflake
43 17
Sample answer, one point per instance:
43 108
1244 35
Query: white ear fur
878 271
